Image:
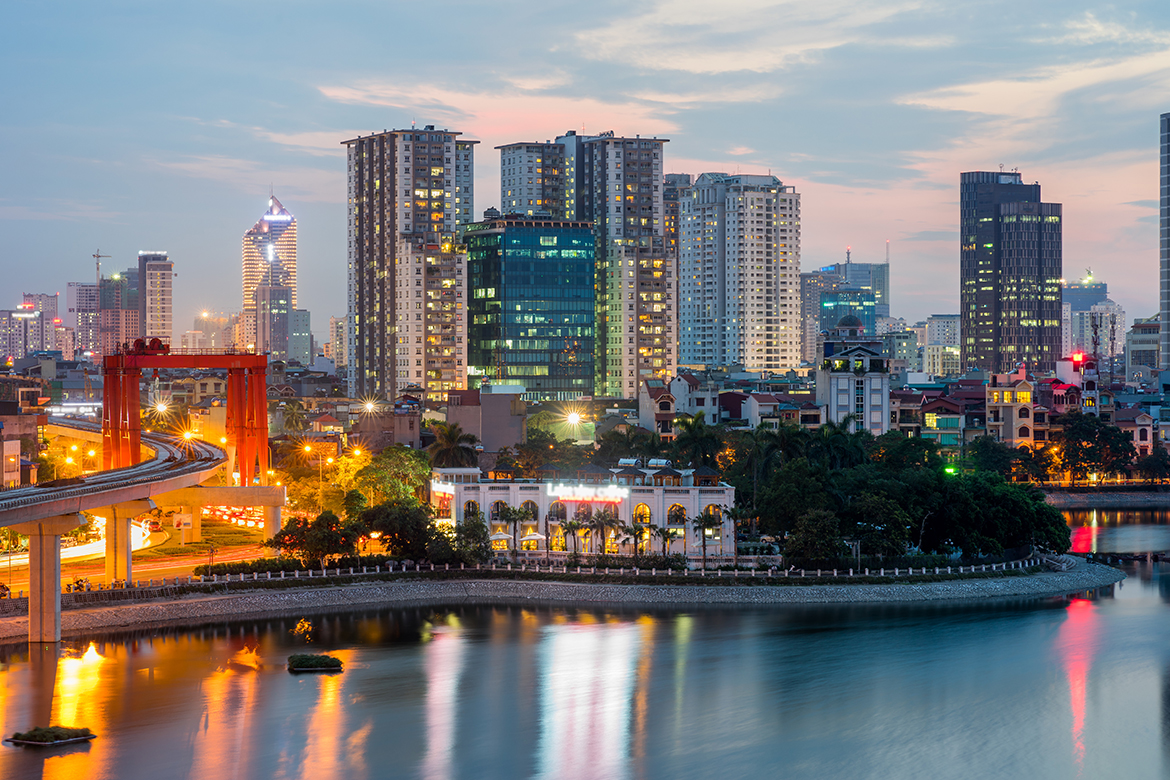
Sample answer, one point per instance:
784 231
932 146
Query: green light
949 469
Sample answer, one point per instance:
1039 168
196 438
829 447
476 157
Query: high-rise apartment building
530 304
118 322
848 299
464 181
338 340
739 273
155 300
273 320
635 294
674 186
812 286
300 337
81 314
532 179
1164 246
1081 295
874 277
943 329
1010 271
407 277
42 329
269 257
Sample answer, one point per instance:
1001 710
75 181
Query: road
145 566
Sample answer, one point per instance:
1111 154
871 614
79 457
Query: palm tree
452 448
601 522
294 416
666 535
572 528
696 442
708 521
514 517
738 515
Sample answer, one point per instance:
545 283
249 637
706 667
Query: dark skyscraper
1164 253
1010 271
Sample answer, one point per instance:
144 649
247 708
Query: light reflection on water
1052 688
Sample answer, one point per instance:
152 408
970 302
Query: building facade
943 330
464 181
300 337
530 306
640 497
1164 244
1141 346
81 314
156 274
1010 271
812 286
269 257
43 329
739 273
273 320
874 277
853 379
532 179
402 219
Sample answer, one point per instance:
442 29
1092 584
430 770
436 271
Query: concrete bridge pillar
44 571
118 538
195 532
272 524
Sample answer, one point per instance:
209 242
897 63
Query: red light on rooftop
1078 357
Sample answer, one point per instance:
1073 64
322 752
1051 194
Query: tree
403 526
816 536
988 454
318 539
573 528
1155 467
665 535
354 503
452 448
897 451
395 474
294 416
600 523
696 442
1093 446
515 517
835 446
708 521
473 539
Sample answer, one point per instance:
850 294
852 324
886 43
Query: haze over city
141 127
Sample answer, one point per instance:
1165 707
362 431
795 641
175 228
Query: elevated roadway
174 476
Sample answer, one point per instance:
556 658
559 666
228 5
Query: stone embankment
1109 500
201 609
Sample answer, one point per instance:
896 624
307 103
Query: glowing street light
574 419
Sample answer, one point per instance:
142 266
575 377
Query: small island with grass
309 662
43 736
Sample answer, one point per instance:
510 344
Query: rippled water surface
1055 688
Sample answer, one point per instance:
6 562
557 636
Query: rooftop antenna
848 253
887 251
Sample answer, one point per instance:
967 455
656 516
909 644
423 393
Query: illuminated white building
269 257
647 497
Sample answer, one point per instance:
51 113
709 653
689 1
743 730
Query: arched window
664 406
470 509
714 509
1024 413
557 511
584 513
496 509
676 515
1143 435
1024 432
531 508
642 514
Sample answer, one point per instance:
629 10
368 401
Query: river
1051 688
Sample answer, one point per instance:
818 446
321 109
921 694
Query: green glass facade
530 305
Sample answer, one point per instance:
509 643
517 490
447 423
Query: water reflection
586 692
1050 688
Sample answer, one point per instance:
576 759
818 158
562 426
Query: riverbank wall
201 609
1109 500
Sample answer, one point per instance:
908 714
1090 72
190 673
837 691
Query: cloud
760 36
303 183
55 210
1089 30
932 235
1143 204
741 150
509 113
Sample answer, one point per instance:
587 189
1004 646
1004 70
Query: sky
128 126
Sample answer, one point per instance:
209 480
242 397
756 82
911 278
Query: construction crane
97 259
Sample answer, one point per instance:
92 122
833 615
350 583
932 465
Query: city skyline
934 105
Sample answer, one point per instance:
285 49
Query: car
154 525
